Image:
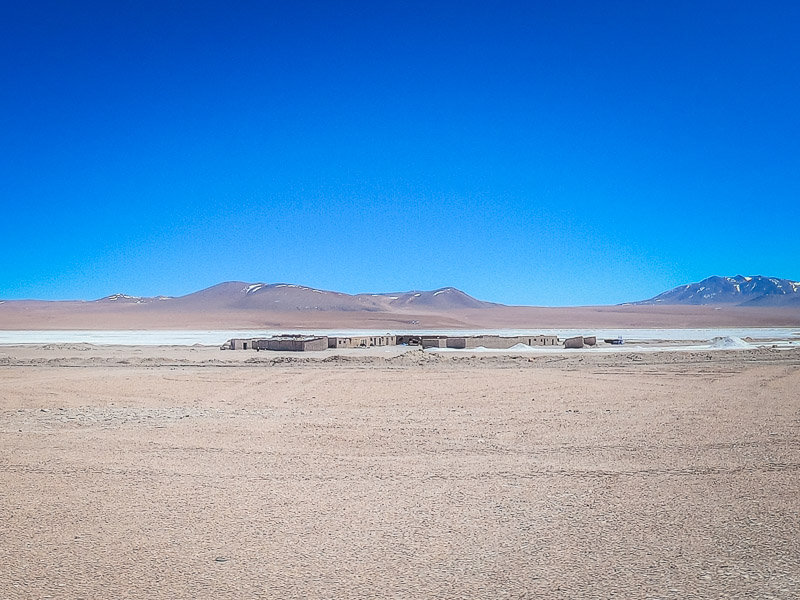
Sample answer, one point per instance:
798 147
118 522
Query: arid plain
135 472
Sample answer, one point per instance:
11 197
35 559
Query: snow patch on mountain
254 288
115 297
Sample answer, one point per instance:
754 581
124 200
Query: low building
504 342
362 341
240 344
542 340
574 342
456 342
410 339
425 341
292 343
499 342
434 342
287 343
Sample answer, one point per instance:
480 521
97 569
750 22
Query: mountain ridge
242 295
285 306
739 290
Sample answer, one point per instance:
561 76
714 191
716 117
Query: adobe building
362 341
285 343
434 342
499 342
240 344
299 343
415 339
574 342
580 341
503 343
542 340
292 343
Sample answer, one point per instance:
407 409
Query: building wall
434 342
293 344
498 342
320 343
348 342
489 341
337 342
574 342
364 341
542 340
242 344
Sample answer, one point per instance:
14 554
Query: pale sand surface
127 472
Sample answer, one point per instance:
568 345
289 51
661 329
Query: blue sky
550 153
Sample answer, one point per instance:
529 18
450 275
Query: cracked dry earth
604 479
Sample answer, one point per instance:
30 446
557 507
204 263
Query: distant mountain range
740 290
714 302
238 295
755 290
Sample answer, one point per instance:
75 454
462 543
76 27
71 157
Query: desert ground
34 315
158 472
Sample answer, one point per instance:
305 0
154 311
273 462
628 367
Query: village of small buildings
304 343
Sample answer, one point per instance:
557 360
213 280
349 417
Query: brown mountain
241 305
238 295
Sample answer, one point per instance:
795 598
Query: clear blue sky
550 153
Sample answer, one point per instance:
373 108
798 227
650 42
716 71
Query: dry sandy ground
153 474
75 315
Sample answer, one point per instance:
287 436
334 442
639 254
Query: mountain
239 295
239 305
244 296
755 290
442 299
